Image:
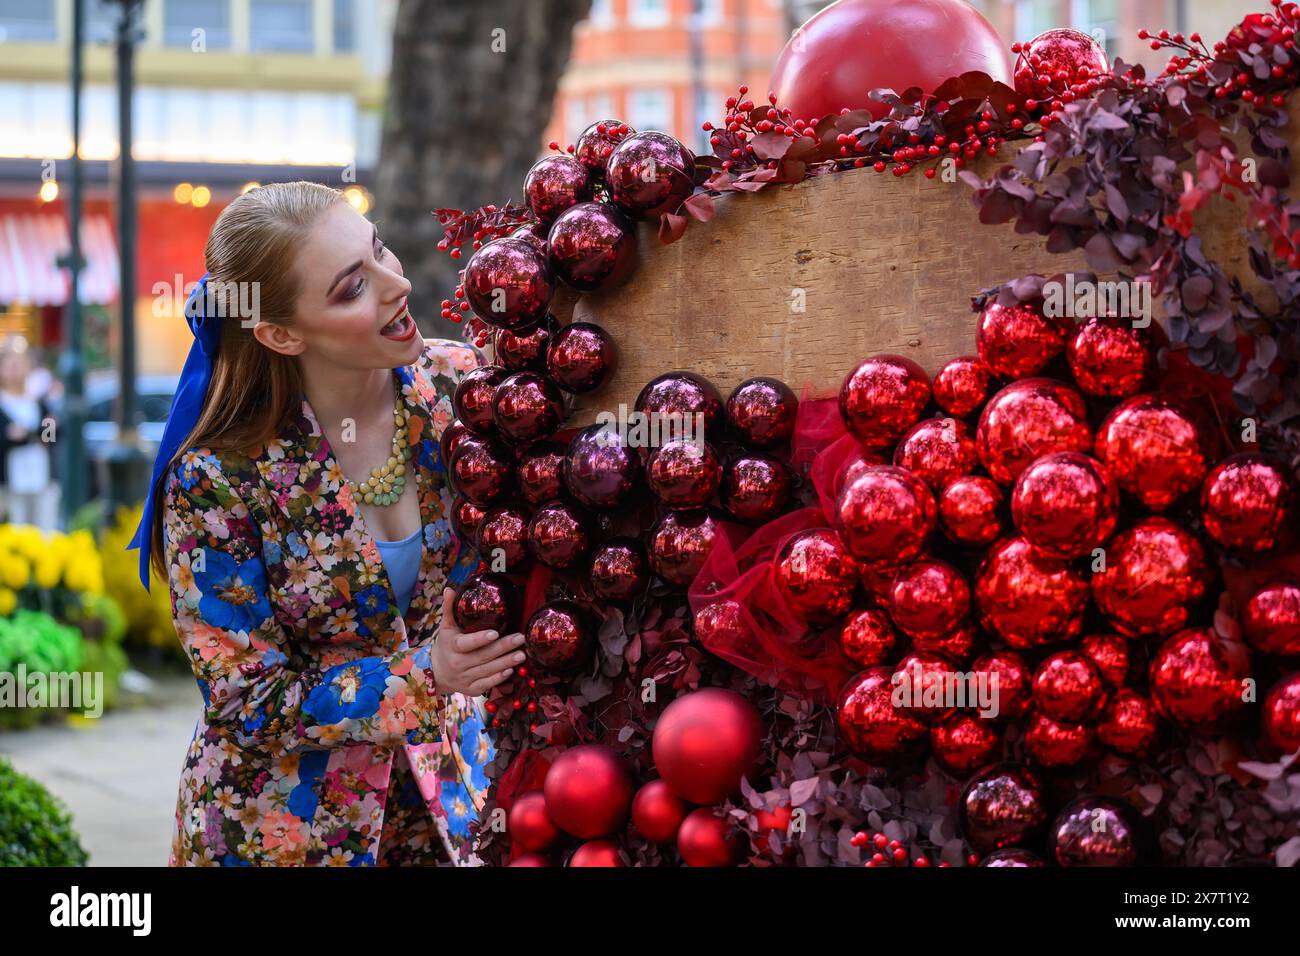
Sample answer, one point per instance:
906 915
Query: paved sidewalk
118 775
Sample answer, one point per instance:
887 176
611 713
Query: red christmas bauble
650 174
867 637
1110 358
938 451
553 184
1197 680
524 349
1271 620
581 357
963 742
531 827
534 233
1012 857
756 488
596 144
508 283
589 791
597 853
473 398
1099 831
1129 723
850 48
920 683
451 438
592 246
488 602
705 839
600 471
527 407
1154 576
1281 719
1052 743
815 575
540 471
872 727
620 569
1002 806
1247 503
1155 449
1053 61
958 645
1028 597
1016 341
929 599
560 636
720 623
530 859
679 404
1013 692
971 510
481 470
657 812
1110 653
503 534
885 516
680 542
961 385
683 473
1065 503
762 411
1029 418
465 519
882 397
1068 687
559 534
704 742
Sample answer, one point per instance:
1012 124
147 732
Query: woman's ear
278 338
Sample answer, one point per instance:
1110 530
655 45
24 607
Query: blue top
402 561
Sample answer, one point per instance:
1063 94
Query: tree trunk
469 94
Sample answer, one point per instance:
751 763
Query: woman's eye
381 251
355 290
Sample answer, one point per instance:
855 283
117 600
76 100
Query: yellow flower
8 601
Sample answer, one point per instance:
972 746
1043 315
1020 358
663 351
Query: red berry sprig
887 851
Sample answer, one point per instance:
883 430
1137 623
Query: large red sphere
1065 503
560 636
1015 341
704 742
961 385
1055 60
596 144
938 451
762 411
1281 720
1014 682
1028 597
1002 806
679 544
1069 687
963 742
488 602
531 827
1054 743
1247 503
502 538
885 515
540 471
589 791
971 510
481 470
657 812
756 487
473 398
527 407
508 283
530 859
872 727
867 637
683 473
720 624
679 404
1154 576
581 357
559 534
524 349
1271 620
1129 724
920 686
815 575
705 839
650 174
620 569
850 48
1099 831
929 599
1155 449
1197 680
600 471
882 397
592 246
1029 418
451 438
466 518
1110 652
597 853
1110 358
554 184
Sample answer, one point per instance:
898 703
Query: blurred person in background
27 492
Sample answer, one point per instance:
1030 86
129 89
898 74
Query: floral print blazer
322 740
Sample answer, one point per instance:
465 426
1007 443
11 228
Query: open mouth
401 328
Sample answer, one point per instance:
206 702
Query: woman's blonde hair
253 389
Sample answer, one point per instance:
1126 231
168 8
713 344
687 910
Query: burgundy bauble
1110 358
599 470
488 602
531 827
704 742
762 412
1055 60
882 397
530 859
502 538
1281 718
971 510
596 143
1155 575
679 544
872 727
527 407
602 853
620 569
1248 503
581 357
1053 743
679 403
508 283
815 575
451 439
465 519
1065 503
1002 806
720 624
1068 687
650 174
560 636
1198 680
1012 857
481 470
540 471
559 534
1271 620
553 184
657 812
963 742
589 791
756 487
885 515
961 385
867 637
1027 597
1110 652
592 246
524 349
534 233
1099 831
1129 724
929 599
1029 418
1015 682
938 451
474 396
705 839
1016 341
1155 448
683 473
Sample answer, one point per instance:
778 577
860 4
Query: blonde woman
302 522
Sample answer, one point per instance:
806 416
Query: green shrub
35 829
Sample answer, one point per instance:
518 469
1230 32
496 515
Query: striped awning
31 245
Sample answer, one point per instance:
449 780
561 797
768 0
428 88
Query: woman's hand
471 663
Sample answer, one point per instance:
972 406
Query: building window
1098 18
710 12
602 14
27 21
182 18
709 107
650 109
1035 16
648 13
345 40
102 17
281 26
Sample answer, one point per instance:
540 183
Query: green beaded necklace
386 483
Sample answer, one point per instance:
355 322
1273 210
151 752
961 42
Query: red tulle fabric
778 647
